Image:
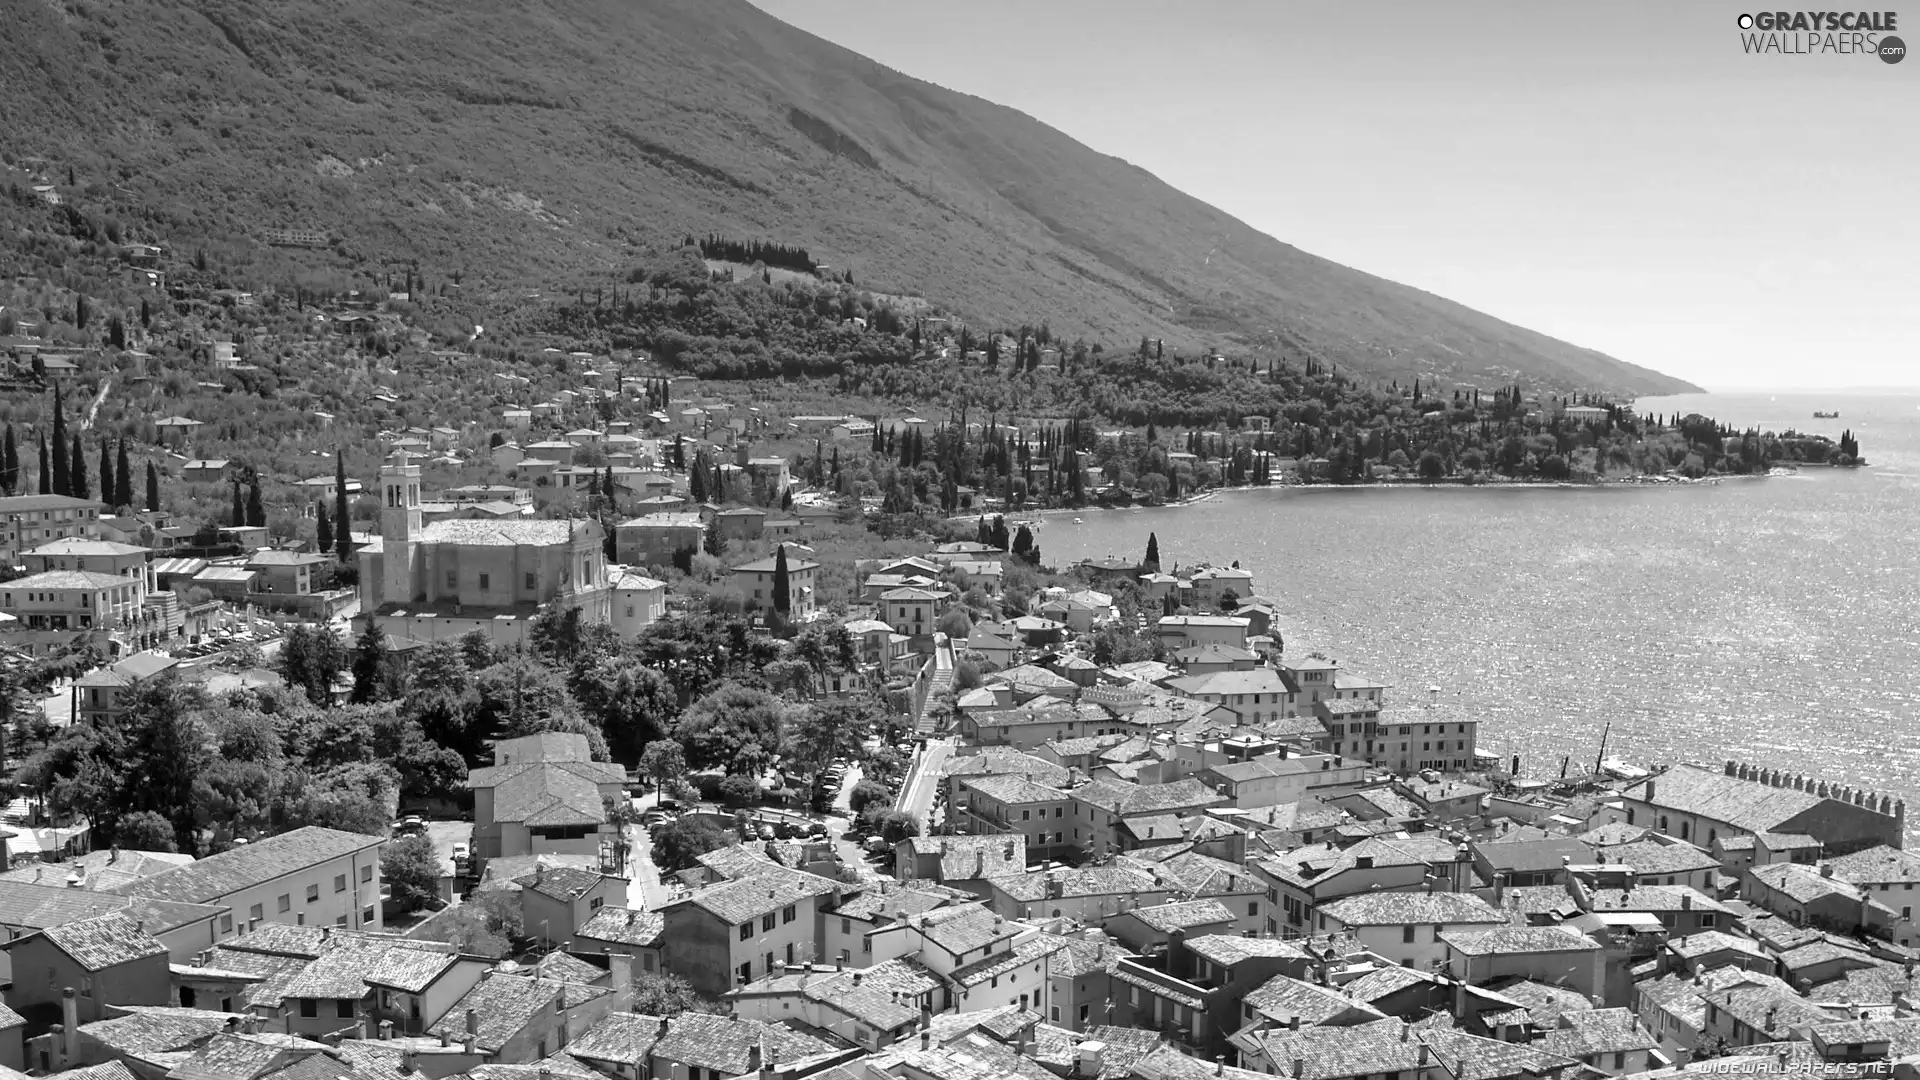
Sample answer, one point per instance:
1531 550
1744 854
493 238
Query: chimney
926 1039
1219 1064
1406 1032
539 871
69 1022
1299 1067
1826 869
1686 901
856 978
406 1061
113 855
1424 1051
386 1030
473 1030
1293 1022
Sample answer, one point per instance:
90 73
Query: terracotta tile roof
1411 908
727 1043
1281 998
621 1038
1229 949
503 1006
1470 1057
1335 1053
1084 881
104 941
961 930
148 1029
1186 915
1654 857
1877 866
749 898
624 926
1022 954
1517 939
567 968
217 876
1804 884
564 883
1711 794
1387 981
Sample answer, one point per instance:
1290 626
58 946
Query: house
1811 896
1179 631
912 611
1517 862
56 608
513 1019
638 601
1699 805
433 581
289 573
617 930
1255 696
872 1007
1088 893
27 521
312 875
561 900
327 487
620 1045
740 523
871 925
755 581
1549 954
347 980
655 539
176 430
1012 803
1304 878
544 795
1406 927
737 931
106 959
205 471
106 693
1153 929
1282 777
698 1046
1661 860
951 859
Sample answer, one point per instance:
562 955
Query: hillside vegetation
520 148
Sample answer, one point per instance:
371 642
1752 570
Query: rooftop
216 876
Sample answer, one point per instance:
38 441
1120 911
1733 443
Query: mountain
535 145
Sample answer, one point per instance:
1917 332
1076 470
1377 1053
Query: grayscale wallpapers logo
1819 33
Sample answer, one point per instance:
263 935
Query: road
923 780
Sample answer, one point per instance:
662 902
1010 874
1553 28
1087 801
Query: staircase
931 686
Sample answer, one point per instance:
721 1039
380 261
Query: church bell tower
399 527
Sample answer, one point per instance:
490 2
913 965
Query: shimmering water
1773 620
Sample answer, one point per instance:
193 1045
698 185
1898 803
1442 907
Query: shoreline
1639 480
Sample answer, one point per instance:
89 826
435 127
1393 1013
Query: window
766 922
309 1007
453 579
1253 908
746 931
787 914
367 916
366 872
530 581
1406 932
313 893
343 1008
340 882
285 903
484 582
226 924
596 903
846 926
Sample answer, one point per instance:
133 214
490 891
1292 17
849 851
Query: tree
662 993
310 658
735 727
10 464
323 528
782 599
1432 467
680 843
77 485
369 658
867 793
737 790
106 474
239 511
342 512
46 474
825 730
1024 547
153 487
256 512
663 760
122 479
1229 602
1152 561
894 826
146 830
412 867
60 485
633 704
955 625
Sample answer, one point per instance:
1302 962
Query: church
429 582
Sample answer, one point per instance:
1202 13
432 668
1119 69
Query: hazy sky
1622 175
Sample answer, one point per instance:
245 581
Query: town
587 717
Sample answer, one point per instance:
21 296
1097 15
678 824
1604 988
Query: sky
1623 176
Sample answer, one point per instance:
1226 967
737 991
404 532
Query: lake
1773 620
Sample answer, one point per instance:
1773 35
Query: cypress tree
77 485
106 474
782 601
1152 561
256 511
123 479
46 472
323 526
239 515
342 513
153 487
10 463
61 486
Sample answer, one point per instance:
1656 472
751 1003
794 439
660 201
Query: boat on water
1621 770
1079 521
1818 415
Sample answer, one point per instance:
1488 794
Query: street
923 780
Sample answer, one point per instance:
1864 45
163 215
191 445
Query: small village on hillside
508 714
